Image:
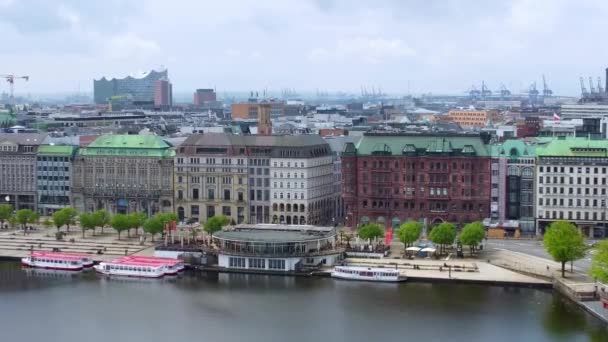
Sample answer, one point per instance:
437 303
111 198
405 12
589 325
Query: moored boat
173 266
367 273
54 261
131 268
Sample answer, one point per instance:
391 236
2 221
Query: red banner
388 236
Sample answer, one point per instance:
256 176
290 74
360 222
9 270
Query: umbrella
413 249
429 250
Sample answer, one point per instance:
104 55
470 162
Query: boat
131 268
367 273
54 261
86 260
174 266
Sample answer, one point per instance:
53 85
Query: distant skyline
438 46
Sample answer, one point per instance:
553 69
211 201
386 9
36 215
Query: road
534 248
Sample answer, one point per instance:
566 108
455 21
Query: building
123 174
252 108
571 184
472 118
512 192
587 110
18 169
391 178
163 94
276 248
337 144
54 177
529 127
255 178
140 87
264 123
204 95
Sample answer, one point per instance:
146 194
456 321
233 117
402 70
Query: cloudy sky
439 46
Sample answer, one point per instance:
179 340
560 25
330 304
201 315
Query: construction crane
485 92
546 91
600 89
583 89
504 92
11 81
591 88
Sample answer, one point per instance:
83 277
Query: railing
293 254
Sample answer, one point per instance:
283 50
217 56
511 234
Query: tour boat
86 260
367 273
173 266
55 261
131 268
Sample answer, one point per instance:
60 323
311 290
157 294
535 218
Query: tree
120 222
443 234
6 210
215 224
87 222
102 218
60 218
153 225
71 214
12 221
472 234
599 263
564 243
409 232
371 231
47 223
23 217
136 220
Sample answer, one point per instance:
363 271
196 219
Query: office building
18 169
163 94
204 95
472 118
252 108
391 178
123 174
54 177
571 184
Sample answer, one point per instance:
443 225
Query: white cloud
366 50
130 46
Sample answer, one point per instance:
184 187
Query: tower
264 123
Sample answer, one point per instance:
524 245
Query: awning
413 249
429 250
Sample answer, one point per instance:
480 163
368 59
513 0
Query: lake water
47 306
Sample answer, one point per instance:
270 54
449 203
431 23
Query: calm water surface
46 306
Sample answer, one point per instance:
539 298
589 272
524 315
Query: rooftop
275 233
23 138
57 150
574 147
225 139
132 145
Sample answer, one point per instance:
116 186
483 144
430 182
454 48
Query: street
534 248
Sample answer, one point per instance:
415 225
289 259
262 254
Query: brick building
392 178
472 118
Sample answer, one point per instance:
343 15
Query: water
46 306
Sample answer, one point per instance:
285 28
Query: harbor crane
11 81
600 89
546 91
583 89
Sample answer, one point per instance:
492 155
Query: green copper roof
421 145
574 147
514 148
57 150
128 145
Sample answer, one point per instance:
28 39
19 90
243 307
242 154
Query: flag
556 117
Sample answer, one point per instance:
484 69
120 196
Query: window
226 195
257 263
194 193
237 262
211 194
276 264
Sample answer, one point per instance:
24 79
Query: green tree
443 234
87 222
60 218
35 218
216 223
102 219
47 223
599 263
120 222
472 234
371 231
6 210
71 215
409 232
12 222
23 217
564 243
154 225
136 220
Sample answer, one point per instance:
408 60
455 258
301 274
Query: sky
415 46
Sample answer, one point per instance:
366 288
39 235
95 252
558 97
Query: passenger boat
131 268
57 261
367 273
174 266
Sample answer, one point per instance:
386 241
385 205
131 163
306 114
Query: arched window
295 208
274 207
180 213
288 219
288 207
282 219
302 208
274 219
282 207
295 220
302 220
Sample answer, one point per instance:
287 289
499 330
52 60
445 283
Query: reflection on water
238 307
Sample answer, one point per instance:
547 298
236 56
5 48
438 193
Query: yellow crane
11 81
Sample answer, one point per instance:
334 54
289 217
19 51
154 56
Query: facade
254 179
141 87
163 94
571 184
586 110
18 169
393 178
204 95
471 118
124 173
252 108
512 192
276 248
264 123
54 177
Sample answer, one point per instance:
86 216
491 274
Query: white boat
55 261
173 266
367 273
130 269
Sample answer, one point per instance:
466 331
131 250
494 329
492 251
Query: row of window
571 216
579 180
418 165
54 159
562 169
129 268
54 187
579 203
411 205
579 191
276 264
53 168
54 178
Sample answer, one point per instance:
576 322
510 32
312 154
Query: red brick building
393 178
